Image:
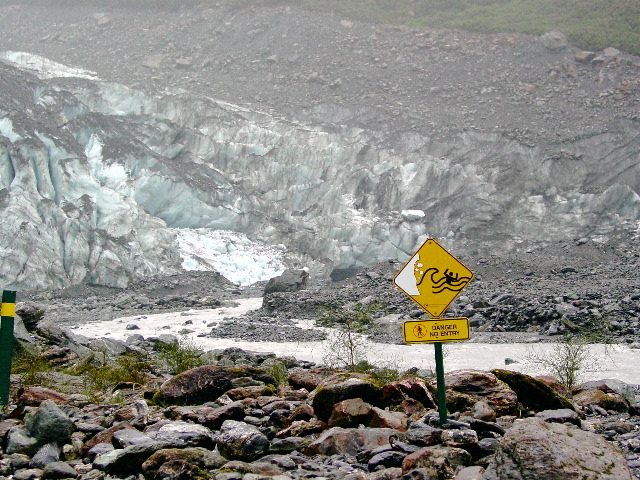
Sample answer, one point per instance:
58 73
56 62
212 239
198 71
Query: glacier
103 184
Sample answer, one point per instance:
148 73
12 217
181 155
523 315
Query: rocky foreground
254 417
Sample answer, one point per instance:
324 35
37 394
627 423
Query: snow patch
412 214
44 68
232 254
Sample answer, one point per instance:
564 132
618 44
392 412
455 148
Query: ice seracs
101 183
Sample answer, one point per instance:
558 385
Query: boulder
584 56
34 396
339 441
49 424
610 385
289 281
481 410
200 457
213 418
46 454
309 379
206 383
386 419
57 469
30 314
554 41
596 397
126 460
440 461
350 413
466 387
413 388
241 441
532 393
183 434
562 415
533 448
422 434
341 387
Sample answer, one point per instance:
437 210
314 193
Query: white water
620 362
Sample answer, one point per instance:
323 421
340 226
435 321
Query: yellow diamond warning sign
433 278
440 330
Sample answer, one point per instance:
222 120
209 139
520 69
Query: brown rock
584 57
414 388
198 456
105 436
301 428
386 419
350 413
341 387
215 417
466 387
310 379
483 411
33 396
608 401
338 441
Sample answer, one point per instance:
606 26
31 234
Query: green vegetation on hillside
589 24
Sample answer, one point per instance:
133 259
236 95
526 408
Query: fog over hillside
301 139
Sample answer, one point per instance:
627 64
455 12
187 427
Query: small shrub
278 370
567 361
32 368
127 368
181 356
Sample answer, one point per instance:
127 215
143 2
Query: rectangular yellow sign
436 330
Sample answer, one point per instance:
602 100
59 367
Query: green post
6 342
442 401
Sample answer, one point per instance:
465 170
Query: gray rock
241 441
127 460
127 437
99 449
19 441
554 41
55 470
46 454
49 424
183 434
533 448
288 281
561 415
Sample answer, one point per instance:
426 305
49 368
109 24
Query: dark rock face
533 393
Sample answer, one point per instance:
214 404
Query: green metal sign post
7 314
442 400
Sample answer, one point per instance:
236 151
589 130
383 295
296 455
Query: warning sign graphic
433 278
